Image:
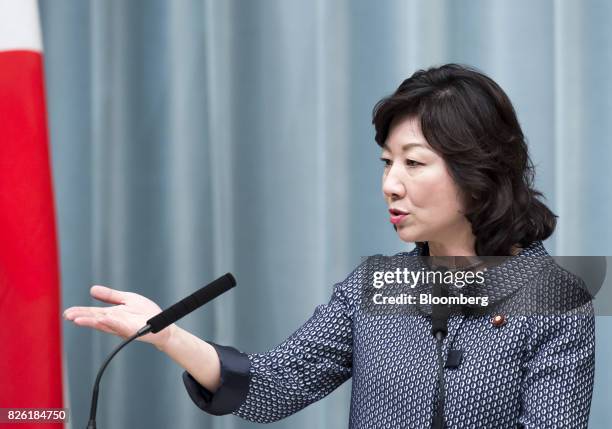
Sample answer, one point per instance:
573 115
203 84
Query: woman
458 182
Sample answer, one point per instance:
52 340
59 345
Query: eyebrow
407 146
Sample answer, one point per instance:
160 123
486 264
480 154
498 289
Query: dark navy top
534 370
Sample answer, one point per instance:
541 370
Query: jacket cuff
232 392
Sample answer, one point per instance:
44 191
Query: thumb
108 295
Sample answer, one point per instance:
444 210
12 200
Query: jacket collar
503 276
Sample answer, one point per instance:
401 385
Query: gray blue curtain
192 138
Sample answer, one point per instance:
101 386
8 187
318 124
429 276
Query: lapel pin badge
498 320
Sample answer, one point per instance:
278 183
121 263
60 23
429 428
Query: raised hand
125 318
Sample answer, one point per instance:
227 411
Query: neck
448 248
438 249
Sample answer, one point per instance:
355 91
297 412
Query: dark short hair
470 122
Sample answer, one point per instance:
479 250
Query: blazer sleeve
310 364
558 380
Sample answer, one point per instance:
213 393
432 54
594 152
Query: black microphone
193 301
161 321
439 329
439 313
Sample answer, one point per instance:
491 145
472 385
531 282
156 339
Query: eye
386 161
412 163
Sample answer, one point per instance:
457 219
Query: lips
397 215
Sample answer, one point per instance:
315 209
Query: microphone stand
94 398
162 321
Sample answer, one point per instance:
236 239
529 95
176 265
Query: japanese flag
30 340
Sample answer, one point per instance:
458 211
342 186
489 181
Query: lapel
503 277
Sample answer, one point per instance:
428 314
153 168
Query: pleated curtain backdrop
192 138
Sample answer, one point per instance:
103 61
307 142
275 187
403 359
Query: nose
392 186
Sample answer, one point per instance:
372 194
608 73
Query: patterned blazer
528 367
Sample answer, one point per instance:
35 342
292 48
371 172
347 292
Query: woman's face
416 182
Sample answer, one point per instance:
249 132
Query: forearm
195 355
270 386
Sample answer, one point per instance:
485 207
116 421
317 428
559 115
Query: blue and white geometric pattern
534 371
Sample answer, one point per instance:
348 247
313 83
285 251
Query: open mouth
397 216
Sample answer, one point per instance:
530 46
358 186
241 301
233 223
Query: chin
408 236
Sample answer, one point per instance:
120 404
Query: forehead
405 134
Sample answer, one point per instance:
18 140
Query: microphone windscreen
192 302
439 312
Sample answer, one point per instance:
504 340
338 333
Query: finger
106 294
92 322
74 312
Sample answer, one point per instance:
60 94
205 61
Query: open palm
129 313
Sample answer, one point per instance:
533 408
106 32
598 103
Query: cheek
435 193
